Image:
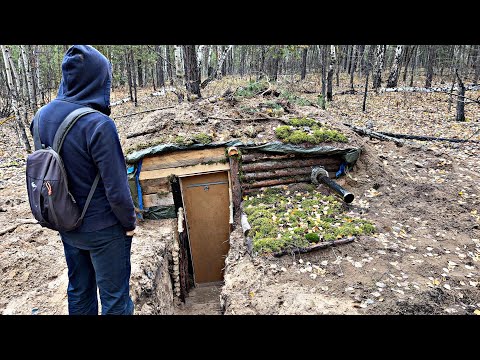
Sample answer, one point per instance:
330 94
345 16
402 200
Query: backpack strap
59 138
67 124
36 131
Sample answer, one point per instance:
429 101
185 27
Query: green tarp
350 155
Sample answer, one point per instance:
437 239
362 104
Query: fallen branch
431 89
426 138
6 119
13 227
248 119
374 134
321 245
145 111
149 131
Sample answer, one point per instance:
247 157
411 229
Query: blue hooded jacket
92 144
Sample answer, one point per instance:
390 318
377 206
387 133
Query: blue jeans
98 258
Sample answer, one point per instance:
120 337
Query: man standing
98 252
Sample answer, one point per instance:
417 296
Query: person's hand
130 233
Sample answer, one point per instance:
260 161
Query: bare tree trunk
160 73
330 73
192 73
353 50
338 70
243 54
460 99
393 78
168 60
477 66
323 57
140 72
361 51
408 57
14 96
378 67
304 63
353 66
129 74
29 77
431 60
414 63
368 66
134 80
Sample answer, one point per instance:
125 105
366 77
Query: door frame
195 284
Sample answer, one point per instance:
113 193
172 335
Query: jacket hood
86 78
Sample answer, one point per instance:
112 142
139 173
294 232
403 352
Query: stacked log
265 169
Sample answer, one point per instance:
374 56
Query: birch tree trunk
38 77
220 63
393 78
330 73
14 97
29 77
192 72
431 60
200 57
209 67
304 64
179 65
460 99
378 67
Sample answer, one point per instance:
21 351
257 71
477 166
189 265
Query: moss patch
306 130
281 219
202 138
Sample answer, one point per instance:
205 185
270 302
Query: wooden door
206 202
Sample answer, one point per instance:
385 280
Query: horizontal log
183 158
153 186
321 245
284 164
273 174
280 181
259 156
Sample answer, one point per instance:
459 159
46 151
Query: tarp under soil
349 154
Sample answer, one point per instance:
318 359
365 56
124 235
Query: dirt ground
423 198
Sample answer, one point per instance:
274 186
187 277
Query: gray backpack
51 202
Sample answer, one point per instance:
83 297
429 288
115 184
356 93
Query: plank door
206 202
